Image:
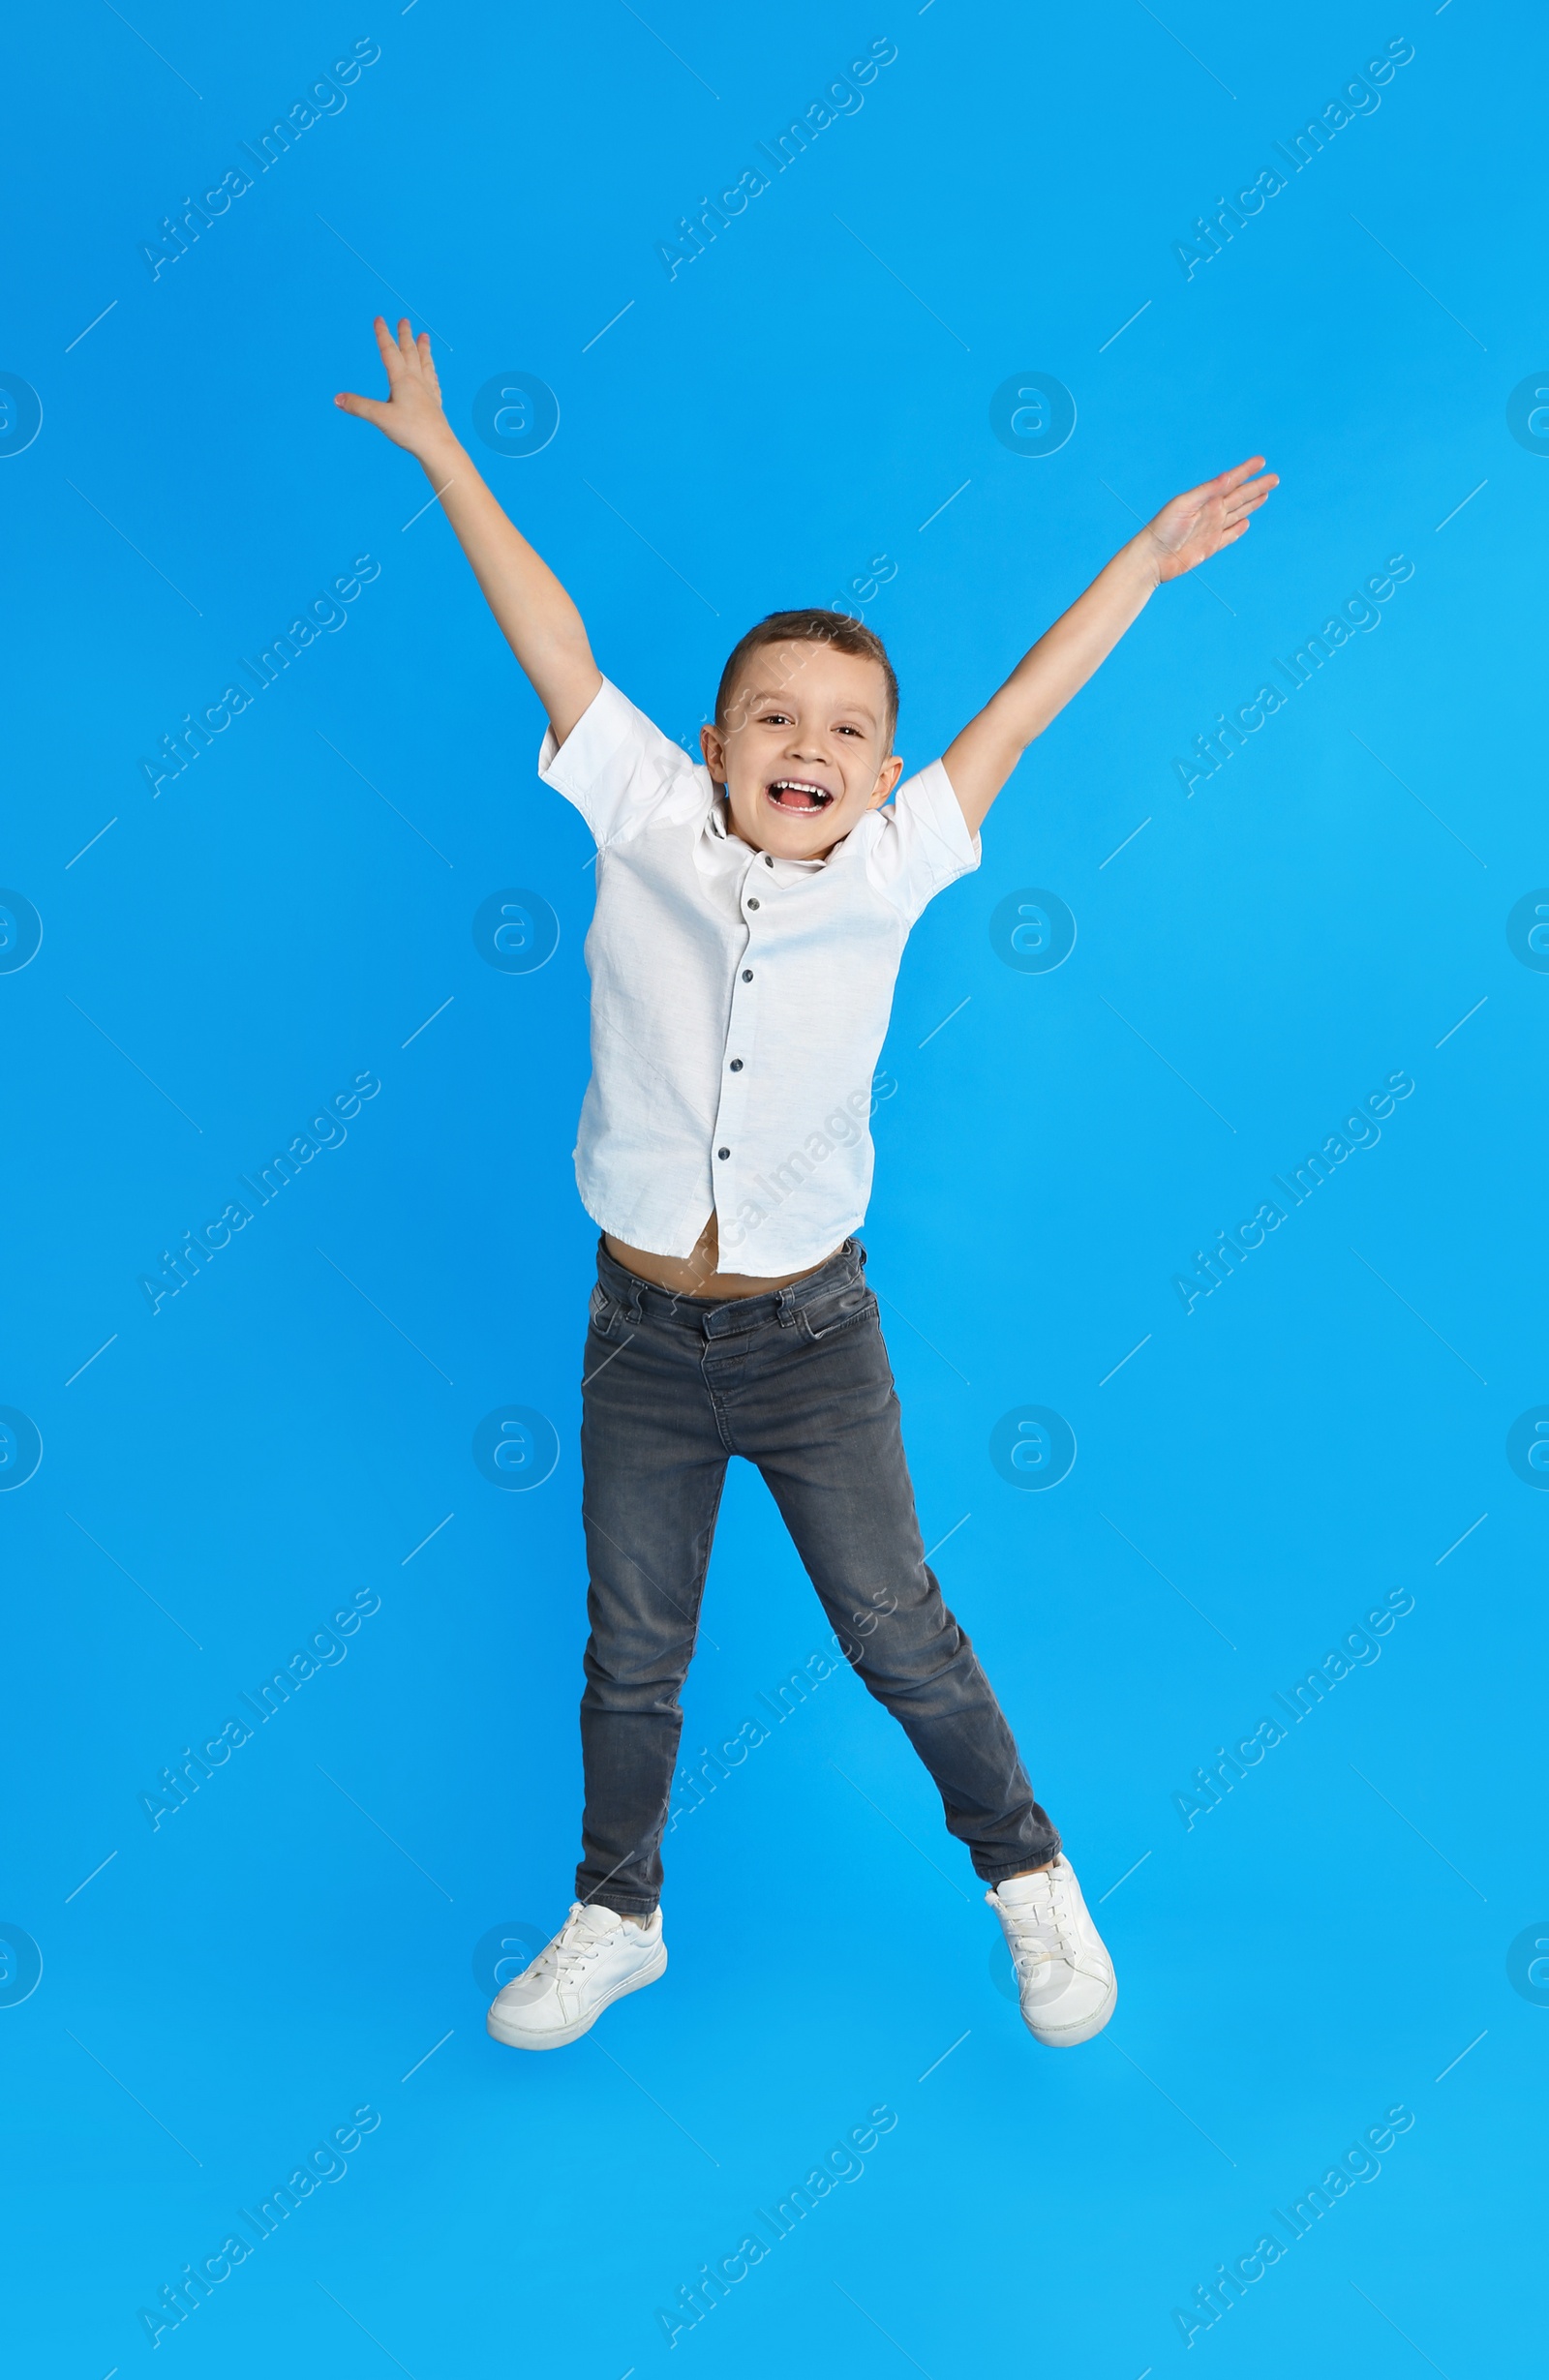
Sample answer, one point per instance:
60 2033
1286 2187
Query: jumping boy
750 916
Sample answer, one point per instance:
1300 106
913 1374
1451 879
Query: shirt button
747 974
752 904
736 1066
768 861
723 1152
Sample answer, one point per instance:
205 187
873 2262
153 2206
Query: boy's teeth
813 797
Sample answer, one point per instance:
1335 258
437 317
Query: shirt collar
784 871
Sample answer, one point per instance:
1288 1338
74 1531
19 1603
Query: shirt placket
728 1154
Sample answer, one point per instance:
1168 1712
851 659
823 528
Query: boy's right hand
536 616
411 417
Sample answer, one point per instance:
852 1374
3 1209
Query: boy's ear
712 745
888 776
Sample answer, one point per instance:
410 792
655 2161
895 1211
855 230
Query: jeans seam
653 1849
719 1410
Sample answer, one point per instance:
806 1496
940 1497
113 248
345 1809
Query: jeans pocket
821 1317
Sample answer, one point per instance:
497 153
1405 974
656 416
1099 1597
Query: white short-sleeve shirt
738 1000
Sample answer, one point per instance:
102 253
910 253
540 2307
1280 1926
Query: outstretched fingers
1249 498
1242 492
391 353
412 408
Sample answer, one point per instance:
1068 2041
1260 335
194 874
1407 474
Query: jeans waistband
718 1318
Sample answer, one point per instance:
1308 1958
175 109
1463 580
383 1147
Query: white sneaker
1065 1978
594 1960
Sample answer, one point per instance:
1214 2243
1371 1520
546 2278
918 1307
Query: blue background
296 1426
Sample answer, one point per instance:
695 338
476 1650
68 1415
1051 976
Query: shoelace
572 1948
563 1961
1043 1931
1034 1922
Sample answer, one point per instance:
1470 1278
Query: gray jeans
798 1382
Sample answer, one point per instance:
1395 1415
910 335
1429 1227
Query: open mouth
799 796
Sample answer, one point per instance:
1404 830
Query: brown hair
835 628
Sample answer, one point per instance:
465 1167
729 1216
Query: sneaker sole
1072 2036
513 2039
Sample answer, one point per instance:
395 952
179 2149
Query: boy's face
804 749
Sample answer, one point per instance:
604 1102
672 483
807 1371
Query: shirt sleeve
928 845
614 765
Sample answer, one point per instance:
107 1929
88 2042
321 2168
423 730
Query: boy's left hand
1194 527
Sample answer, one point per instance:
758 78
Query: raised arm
1185 532
536 616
